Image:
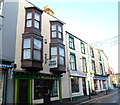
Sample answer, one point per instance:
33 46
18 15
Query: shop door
23 91
84 86
47 86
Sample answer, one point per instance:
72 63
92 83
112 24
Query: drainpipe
60 90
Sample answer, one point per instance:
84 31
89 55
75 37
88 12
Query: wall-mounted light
45 41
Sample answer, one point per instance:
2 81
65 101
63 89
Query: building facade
43 63
87 67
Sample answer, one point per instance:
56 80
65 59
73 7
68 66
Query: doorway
84 86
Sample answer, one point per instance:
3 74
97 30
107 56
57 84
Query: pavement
85 100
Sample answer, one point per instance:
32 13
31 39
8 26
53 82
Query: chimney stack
48 10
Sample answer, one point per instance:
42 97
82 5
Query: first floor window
26 53
93 66
62 56
75 84
84 66
27 48
37 49
72 62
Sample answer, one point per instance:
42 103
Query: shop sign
100 78
77 73
53 63
7 66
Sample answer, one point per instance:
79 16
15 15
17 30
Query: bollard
89 93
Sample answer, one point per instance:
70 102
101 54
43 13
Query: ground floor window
95 84
42 87
104 84
75 84
54 92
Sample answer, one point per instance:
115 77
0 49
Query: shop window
54 92
62 56
91 52
72 61
71 42
27 48
75 84
84 65
104 84
93 66
82 48
38 89
96 84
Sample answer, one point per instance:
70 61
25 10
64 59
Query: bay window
33 20
62 56
27 48
37 49
29 19
56 30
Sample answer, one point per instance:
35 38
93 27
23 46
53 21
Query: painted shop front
36 88
78 83
100 83
5 76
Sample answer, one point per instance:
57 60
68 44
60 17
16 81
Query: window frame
99 56
33 11
73 43
85 65
91 52
101 68
23 49
82 48
75 84
93 62
73 54
61 56
57 30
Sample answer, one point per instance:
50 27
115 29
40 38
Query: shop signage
53 63
7 66
100 78
77 73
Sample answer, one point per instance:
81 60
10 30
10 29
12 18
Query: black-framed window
101 68
84 64
72 61
27 48
82 48
56 30
91 52
75 84
71 42
37 49
61 56
93 66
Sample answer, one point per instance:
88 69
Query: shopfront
36 88
78 83
100 83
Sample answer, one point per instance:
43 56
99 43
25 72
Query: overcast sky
90 20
